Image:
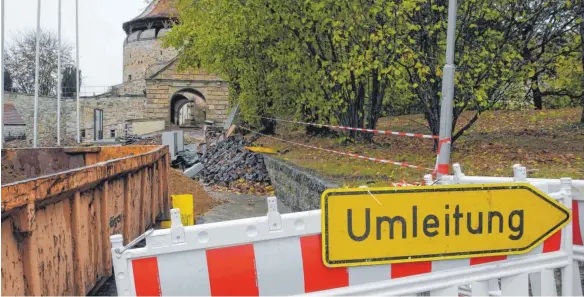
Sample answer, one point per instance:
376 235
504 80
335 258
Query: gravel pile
229 161
129 139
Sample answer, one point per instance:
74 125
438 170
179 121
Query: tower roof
154 16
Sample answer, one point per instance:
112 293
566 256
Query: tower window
83 133
130 77
113 133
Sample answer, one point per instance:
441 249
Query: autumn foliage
352 62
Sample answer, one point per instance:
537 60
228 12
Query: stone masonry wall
12 131
116 111
139 57
296 187
160 89
47 118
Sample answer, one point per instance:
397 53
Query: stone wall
14 131
116 111
140 56
161 88
296 187
47 118
145 126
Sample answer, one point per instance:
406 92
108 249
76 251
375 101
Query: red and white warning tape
376 131
402 164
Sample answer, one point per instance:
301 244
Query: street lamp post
444 144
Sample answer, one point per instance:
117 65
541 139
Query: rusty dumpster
60 205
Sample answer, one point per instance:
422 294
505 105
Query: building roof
157 12
11 115
158 8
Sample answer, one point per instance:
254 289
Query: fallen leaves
242 186
499 139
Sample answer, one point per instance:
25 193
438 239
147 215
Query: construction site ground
549 142
238 206
210 207
181 184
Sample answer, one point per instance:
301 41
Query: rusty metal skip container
57 219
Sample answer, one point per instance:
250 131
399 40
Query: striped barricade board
274 255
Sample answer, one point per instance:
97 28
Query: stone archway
187 108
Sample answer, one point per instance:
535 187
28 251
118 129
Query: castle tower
143 48
185 98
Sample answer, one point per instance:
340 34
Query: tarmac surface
238 207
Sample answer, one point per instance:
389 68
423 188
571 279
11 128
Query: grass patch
549 143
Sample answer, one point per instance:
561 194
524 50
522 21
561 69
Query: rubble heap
228 161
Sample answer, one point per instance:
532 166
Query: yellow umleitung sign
388 225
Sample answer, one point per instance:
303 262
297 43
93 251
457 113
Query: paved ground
238 207
234 207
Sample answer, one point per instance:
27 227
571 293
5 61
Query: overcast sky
101 36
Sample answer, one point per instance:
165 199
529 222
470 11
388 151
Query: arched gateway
187 108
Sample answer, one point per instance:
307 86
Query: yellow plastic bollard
185 203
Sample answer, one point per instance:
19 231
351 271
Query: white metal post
447 95
2 69
568 243
77 65
119 263
36 76
59 83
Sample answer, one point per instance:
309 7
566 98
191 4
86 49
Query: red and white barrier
281 267
509 276
282 255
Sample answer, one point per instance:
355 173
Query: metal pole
77 65
36 75
59 82
443 160
2 69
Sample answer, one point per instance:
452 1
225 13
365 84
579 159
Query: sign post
389 225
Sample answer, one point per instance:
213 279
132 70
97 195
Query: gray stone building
186 98
152 97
